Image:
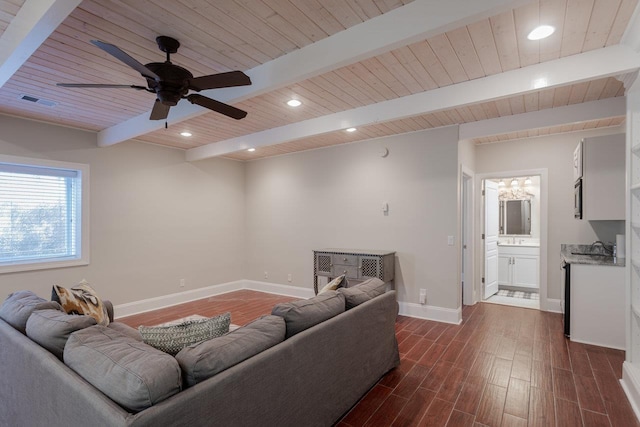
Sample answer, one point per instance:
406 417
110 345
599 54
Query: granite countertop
566 252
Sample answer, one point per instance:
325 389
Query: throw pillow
303 314
18 306
338 282
81 299
51 328
172 339
363 292
128 371
206 359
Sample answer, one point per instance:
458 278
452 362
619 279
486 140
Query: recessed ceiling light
541 32
251 150
185 133
294 103
351 129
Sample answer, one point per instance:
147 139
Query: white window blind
40 214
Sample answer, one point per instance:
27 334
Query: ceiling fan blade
159 111
100 85
126 58
215 81
217 106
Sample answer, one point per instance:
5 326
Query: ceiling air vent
31 98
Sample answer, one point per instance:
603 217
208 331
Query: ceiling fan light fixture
251 150
541 32
186 134
294 103
351 129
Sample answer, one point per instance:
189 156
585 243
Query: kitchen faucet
611 249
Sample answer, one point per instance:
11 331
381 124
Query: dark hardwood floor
503 366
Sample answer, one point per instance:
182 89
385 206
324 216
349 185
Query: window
43 214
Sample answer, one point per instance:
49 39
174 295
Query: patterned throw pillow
172 339
338 282
81 299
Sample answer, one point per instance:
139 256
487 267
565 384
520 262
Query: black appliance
565 303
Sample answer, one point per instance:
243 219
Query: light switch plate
450 240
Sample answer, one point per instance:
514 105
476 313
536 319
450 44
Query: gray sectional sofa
311 378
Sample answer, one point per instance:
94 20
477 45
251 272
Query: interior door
491 226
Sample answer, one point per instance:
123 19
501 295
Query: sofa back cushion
52 328
206 359
131 373
18 306
363 292
303 314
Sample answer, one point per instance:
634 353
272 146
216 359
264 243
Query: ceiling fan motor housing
173 84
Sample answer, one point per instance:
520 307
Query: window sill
46 265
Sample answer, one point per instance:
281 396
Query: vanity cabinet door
525 271
504 270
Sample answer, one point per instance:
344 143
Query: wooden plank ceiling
238 35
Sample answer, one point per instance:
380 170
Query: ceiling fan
171 83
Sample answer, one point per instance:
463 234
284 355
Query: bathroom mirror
515 217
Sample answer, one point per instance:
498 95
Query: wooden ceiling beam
413 22
596 64
32 25
575 113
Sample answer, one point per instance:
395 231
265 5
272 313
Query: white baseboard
275 288
553 305
149 304
631 385
430 312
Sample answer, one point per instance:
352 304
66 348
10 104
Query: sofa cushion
338 282
303 314
51 328
131 373
204 360
81 299
18 306
126 330
172 339
363 292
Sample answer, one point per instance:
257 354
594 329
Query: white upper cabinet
603 178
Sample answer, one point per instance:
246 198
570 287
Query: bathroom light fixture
186 134
514 183
294 103
351 129
527 181
541 32
501 183
251 150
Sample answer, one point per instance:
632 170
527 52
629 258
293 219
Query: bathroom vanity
518 265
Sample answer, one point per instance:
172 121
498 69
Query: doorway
513 247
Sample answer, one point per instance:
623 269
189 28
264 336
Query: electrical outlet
266 275
423 296
183 283
289 278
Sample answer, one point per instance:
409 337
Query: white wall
554 153
333 198
155 218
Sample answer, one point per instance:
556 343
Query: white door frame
468 234
544 221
